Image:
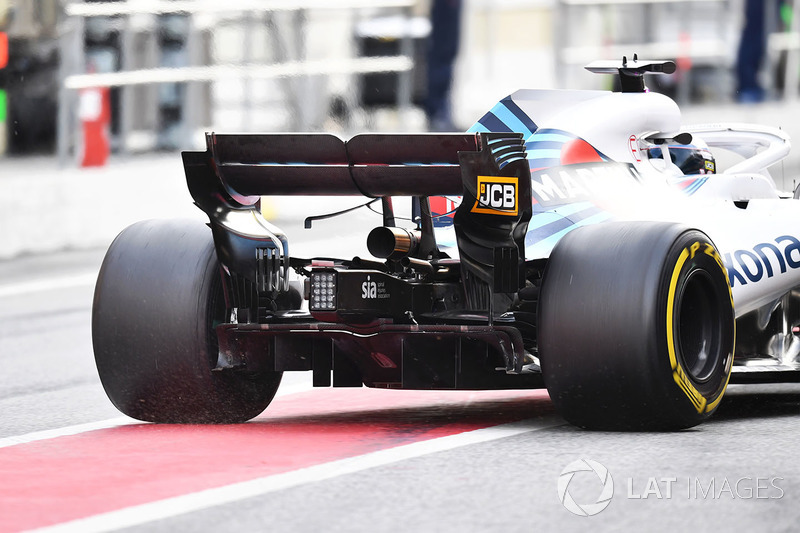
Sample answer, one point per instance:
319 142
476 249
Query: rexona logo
497 196
567 478
756 264
369 290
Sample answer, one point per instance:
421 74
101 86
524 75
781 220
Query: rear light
323 291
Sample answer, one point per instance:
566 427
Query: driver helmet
693 158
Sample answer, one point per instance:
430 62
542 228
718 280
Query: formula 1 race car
581 241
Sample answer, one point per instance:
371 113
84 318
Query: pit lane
507 483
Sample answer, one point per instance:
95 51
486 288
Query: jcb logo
369 290
497 196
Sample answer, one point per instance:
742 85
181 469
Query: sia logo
369 290
497 196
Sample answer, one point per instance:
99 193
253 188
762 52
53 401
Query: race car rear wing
373 165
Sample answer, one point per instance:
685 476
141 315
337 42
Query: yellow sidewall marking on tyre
678 374
709 250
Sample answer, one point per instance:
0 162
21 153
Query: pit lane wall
44 208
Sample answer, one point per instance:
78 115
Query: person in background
751 53
760 17
442 51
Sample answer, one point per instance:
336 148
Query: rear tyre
636 326
157 300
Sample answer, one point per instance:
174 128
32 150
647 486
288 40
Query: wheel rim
700 326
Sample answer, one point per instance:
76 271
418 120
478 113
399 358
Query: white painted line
66 282
65 431
46 434
171 507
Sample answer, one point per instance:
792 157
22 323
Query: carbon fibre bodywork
435 322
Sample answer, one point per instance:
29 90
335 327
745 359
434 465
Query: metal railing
202 16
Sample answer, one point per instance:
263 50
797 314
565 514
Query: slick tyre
158 297
636 326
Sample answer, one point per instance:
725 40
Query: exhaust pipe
392 243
